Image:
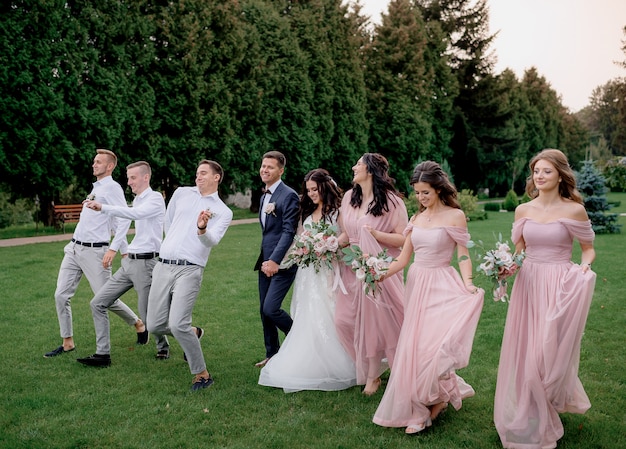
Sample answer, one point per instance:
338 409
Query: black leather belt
91 245
143 255
176 262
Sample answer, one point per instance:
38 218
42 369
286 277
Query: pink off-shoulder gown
538 371
368 325
440 321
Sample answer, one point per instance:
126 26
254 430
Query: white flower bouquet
498 264
368 268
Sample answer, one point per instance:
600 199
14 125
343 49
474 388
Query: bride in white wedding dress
311 356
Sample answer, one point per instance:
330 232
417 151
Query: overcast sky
572 43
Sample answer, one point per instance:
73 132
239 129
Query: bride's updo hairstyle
329 193
431 173
567 185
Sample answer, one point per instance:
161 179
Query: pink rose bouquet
317 245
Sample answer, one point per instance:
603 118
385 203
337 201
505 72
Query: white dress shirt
267 198
182 241
148 211
94 227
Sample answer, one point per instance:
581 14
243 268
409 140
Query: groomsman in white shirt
195 221
91 252
148 211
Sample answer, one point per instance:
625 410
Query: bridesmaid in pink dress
373 217
550 300
441 309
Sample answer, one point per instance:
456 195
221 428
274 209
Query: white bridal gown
311 357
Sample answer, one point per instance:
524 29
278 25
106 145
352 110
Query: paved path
68 237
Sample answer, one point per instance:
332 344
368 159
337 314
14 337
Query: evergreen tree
542 123
608 114
465 24
574 138
499 137
35 153
592 185
198 46
329 37
399 83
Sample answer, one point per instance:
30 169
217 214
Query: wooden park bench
66 213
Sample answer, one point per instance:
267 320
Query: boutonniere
209 213
270 209
91 197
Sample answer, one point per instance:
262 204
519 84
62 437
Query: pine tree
592 185
410 89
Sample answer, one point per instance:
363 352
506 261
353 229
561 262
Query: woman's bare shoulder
575 211
525 210
457 217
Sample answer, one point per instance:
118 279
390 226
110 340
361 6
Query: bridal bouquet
368 268
499 264
317 245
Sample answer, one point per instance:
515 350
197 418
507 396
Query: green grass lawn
140 402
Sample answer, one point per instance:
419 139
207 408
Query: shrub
492 207
22 211
477 215
468 201
511 201
525 198
469 204
411 204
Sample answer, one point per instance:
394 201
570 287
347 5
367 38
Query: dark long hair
567 186
432 174
382 185
329 193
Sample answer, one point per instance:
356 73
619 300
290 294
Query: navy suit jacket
280 226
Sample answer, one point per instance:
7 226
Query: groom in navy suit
278 214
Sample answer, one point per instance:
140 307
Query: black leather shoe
57 351
142 337
102 360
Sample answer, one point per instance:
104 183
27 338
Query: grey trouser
135 273
173 294
79 260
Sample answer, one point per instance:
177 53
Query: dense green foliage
615 175
174 82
